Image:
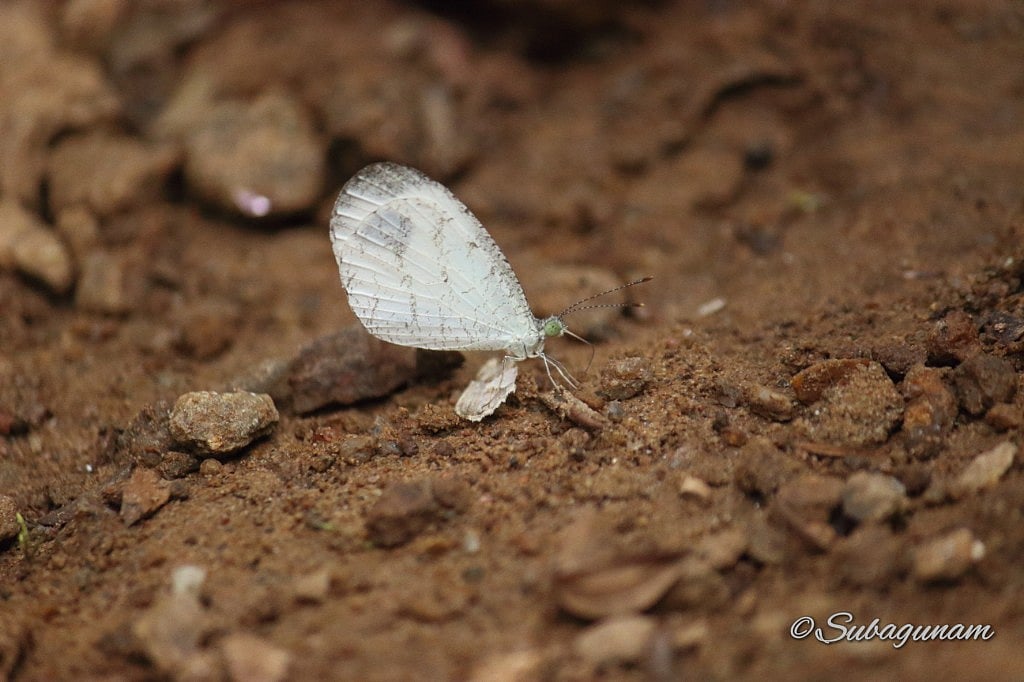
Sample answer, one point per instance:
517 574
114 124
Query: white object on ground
494 382
420 270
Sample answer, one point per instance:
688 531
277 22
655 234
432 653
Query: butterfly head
552 326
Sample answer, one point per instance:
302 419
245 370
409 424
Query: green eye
553 327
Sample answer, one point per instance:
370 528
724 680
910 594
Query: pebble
516 666
169 632
983 380
859 409
221 423
256 159
103 286
723 549
27 245
694 488
107 173
57 91
948 557
593 581
144 440
769 403
142 495
984 471
1004 417
253 659
698 586
9 526
174 465
953 339
869 496
806 504
344 368
312 588
810 384
930 410
406 508
616 640
625 378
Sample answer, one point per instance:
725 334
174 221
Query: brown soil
845 177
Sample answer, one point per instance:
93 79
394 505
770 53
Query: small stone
769 404
593 580
170 631
211 467
806 504
9 526
57 91
930 410
1004 417
103 286
403 511
722 550
175 464
948 557
142 495
254 659
14 220
983 380
698 586
616 640
984 471
40 254
107 173
344 368
809 384
871 496
953 339
516 666
693 488
625 378
221 423
312 588
257 160
858 410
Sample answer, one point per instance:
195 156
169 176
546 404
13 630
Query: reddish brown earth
847 178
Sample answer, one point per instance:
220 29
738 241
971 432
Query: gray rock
344 368
947 557
221 423
984 471
871 496
256 160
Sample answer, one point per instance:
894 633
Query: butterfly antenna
578 305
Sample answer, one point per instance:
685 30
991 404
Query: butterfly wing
419 268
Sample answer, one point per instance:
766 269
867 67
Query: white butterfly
420 270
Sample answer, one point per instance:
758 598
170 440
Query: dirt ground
816 412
